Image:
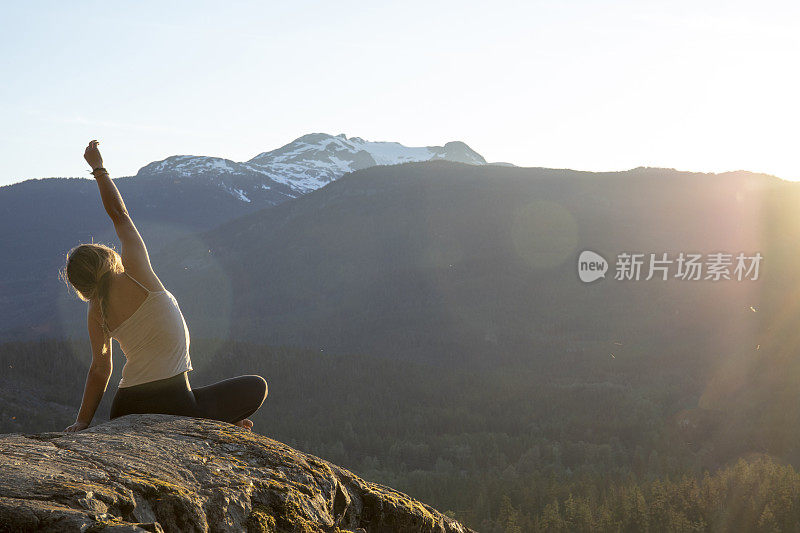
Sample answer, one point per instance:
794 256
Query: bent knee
260 387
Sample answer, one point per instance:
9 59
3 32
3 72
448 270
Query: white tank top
154 339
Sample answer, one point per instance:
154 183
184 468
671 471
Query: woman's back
150 329
127 292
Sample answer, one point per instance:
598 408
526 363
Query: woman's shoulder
146 276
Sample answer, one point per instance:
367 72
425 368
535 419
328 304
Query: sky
704 86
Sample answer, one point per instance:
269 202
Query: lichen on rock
167 473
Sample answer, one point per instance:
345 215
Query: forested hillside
564 443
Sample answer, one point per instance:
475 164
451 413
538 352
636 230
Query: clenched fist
92 155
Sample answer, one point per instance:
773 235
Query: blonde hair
88 270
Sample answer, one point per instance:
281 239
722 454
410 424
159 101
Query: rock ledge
167 473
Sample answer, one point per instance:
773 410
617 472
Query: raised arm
134 252
112 199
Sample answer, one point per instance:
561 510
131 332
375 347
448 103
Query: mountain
448 260
307 163
165 473
452 262
41 219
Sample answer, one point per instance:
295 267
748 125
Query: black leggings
229 400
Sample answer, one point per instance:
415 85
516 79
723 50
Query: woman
129 303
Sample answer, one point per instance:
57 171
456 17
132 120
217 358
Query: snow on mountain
189 165
305 164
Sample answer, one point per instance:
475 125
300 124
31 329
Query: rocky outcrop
165 473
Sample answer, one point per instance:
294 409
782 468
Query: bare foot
245 423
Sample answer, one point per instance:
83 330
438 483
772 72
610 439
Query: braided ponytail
101 293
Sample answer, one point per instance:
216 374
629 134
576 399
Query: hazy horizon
87 175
